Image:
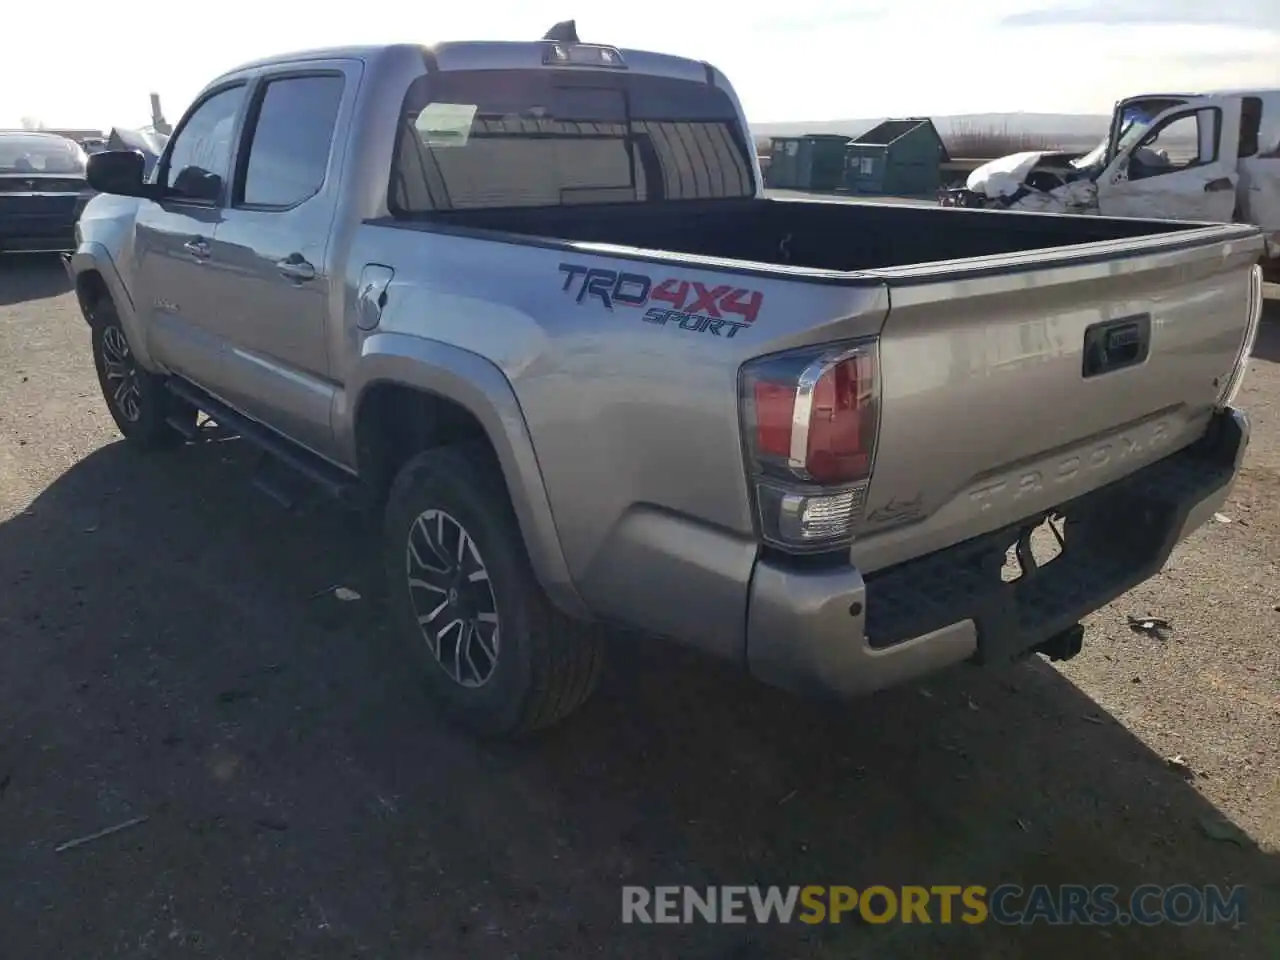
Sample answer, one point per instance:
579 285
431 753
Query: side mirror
121 172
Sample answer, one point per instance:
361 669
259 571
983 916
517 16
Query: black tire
137 400
1270 269
546 664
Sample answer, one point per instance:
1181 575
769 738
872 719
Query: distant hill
1067 130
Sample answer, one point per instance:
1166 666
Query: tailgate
1013 384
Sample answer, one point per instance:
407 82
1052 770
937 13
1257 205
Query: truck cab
1211 157
1170 156
1223 163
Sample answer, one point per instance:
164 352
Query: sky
790 60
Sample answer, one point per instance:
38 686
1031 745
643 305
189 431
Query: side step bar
189 429
334 481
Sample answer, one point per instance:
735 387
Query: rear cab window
40 153
489 139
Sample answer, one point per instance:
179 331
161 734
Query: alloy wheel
121 372
452 597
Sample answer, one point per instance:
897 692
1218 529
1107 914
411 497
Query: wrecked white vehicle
1204 157
149 143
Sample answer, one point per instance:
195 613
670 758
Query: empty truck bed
804 233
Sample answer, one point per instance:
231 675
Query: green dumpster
814 161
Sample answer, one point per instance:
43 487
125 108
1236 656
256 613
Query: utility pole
158 121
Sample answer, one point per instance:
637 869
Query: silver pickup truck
530 300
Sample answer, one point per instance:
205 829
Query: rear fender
480 387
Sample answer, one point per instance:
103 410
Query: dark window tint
1269 129
201 154
508 138
291 140
1250 126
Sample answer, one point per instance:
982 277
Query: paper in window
445 124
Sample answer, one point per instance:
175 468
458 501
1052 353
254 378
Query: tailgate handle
1116 344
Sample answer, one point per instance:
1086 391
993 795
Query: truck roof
33 134
489 55
360 52
1267 92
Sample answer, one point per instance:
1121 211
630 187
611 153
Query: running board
272 491
186 426
335 482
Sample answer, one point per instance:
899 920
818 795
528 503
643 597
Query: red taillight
812 413
811 418
775 406
840 422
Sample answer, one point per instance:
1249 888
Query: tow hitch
1064 645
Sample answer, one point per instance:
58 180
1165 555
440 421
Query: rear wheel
493 652
136 398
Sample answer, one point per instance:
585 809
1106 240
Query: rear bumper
832 631
49 228
29 234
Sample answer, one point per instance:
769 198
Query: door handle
198 247
296 267
1216 186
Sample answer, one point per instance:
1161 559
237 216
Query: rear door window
291 140
512 138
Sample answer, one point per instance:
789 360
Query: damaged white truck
1201 157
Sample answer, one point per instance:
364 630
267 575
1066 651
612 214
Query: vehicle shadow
1267 344
173 649
31 276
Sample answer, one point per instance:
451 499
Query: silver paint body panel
620 441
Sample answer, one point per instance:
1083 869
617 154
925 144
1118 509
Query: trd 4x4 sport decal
721 310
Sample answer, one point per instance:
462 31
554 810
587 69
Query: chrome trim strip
1256 304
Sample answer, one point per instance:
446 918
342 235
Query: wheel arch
96 279
411 394
91 290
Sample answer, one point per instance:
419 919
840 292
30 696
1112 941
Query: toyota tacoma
531 301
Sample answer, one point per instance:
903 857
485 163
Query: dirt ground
168 651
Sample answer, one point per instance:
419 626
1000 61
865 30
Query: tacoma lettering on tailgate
686 304
1104 456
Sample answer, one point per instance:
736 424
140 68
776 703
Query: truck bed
816 234
991 412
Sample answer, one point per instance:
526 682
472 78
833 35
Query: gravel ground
167 651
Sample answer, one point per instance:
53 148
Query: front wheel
137 399
493 652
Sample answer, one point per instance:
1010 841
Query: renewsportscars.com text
1006 904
